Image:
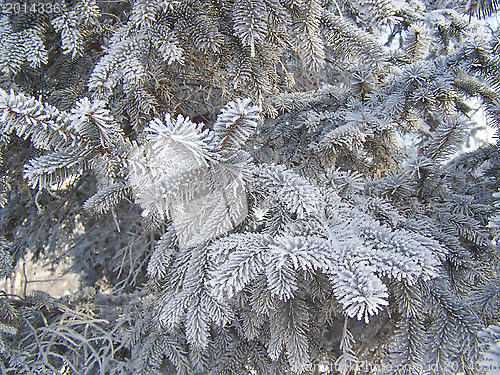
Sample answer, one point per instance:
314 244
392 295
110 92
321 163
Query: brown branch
432 156
230 131
443 142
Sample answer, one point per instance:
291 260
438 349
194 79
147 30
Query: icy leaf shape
178 176
92 120
237 121
359 290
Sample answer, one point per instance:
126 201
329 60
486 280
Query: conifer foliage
252 186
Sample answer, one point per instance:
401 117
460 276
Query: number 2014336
40 8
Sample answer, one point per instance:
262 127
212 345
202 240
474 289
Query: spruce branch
45 125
